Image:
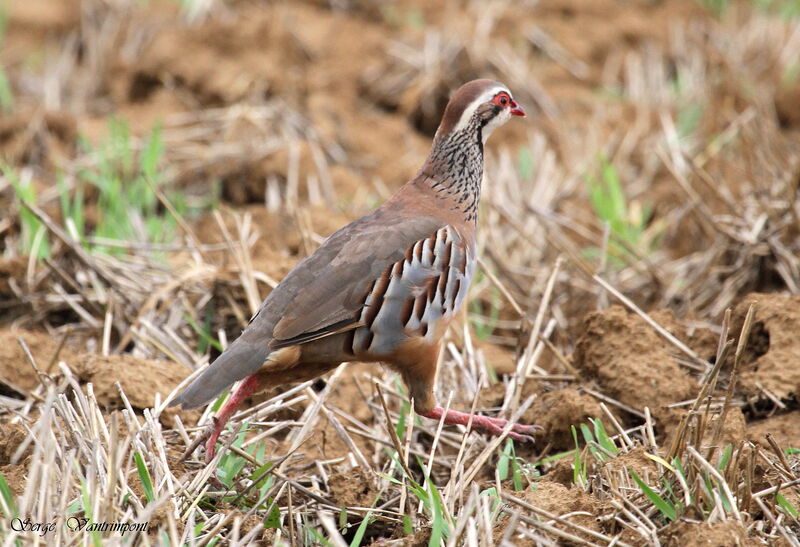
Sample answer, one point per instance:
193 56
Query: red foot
213 434
495 426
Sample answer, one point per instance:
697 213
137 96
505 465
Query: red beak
517 110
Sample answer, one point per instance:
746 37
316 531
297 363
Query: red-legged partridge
381 289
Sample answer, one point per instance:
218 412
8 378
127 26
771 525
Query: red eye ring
502 99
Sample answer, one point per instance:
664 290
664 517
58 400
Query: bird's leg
248 387
494 426
212 433
419 373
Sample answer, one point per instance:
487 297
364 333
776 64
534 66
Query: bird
381 289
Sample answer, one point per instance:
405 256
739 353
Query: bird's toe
527 428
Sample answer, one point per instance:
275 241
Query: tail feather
239 361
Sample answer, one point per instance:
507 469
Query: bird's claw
495 426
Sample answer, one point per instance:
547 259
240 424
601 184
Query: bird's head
479 105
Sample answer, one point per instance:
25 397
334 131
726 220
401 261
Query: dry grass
686 127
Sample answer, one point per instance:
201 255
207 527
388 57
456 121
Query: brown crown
460 100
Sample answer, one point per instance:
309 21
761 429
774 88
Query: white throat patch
502 117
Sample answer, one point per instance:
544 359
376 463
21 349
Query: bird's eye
502 100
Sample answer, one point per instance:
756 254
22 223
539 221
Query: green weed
580 468
123 185
204 331
511 466
611 205
7 498
34 240
128 208
6 94
786 505
144 477
600 447
86 501
525 162
432 504
231 463
665 507
786 9
689 117
627 219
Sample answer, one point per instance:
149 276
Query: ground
638 295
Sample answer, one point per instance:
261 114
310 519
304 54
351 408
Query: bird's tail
239 361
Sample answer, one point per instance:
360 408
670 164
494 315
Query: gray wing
323 295
329 288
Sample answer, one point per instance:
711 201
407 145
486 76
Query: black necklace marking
458 160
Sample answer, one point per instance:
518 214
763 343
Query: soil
561 500
11 269
721 534
556 411
15 472
631 362
16 372
327 73
773 348
140 380
348 395
784 428
352 488
733 431
281 242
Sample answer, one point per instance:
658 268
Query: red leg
494 426
248 387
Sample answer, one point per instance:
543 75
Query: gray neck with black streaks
455 168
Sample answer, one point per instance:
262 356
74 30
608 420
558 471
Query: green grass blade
578 476
6 94
358 537
151 155
666 508
144 476
602 437
725 458
203 332
273 518
786 505
7 497
505 460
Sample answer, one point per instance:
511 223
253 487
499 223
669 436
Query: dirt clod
727 533
140 380
773 349
561 500
785 429
15 370
352 488
631 361
557 411
12 436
